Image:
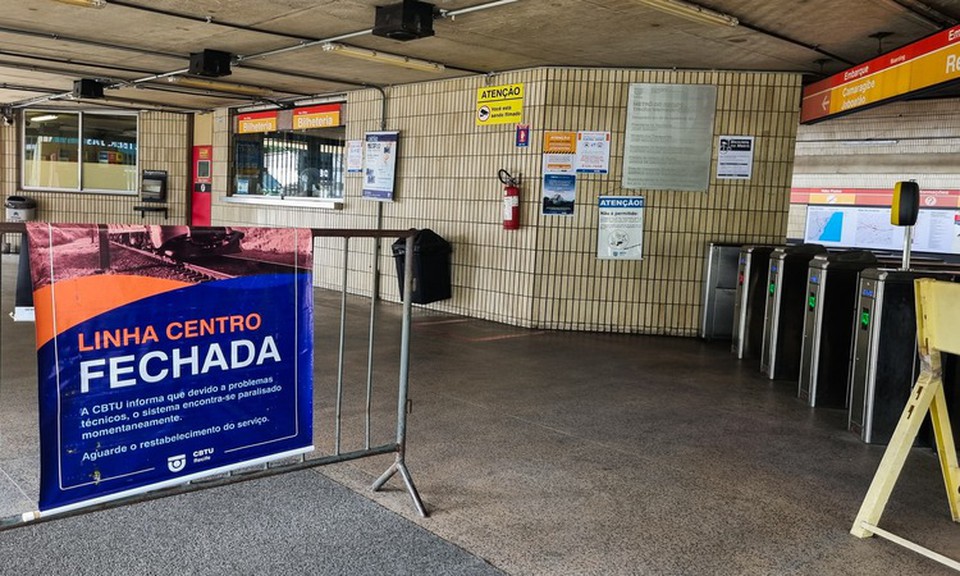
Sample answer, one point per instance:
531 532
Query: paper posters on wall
620 229
735 158
379 165
153 375
593 152
669 136
354 156
559 184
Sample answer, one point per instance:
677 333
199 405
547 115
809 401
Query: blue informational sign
523 135
164 356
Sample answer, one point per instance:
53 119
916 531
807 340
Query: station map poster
669 137
937 230
163 357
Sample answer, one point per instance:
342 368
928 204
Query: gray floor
536 453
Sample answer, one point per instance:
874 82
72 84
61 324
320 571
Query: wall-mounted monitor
153 186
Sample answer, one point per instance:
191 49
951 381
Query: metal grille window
79 151
307 164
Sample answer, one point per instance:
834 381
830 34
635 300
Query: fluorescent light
44 118
869 142
692 11
230 87
85 3
384 57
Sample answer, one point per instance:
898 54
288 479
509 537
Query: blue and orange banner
168 353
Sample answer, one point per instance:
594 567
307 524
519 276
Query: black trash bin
431 266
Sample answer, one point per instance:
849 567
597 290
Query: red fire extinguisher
511 200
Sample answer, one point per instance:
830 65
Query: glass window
303 164
103 159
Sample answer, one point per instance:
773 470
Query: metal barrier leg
402 397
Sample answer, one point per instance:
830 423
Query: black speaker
407 20
211 63
87 88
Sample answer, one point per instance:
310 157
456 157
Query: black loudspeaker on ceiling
405 21
210 63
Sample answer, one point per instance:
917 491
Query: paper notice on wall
559 184
593 152
620 229
735 158
354 156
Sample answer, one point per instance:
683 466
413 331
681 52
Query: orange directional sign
925 63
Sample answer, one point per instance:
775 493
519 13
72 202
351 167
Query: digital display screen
868 293
203 169
814 279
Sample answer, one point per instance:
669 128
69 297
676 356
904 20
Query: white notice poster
620 230
593 152
735 158
354 156
669 136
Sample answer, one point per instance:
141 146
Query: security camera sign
499 104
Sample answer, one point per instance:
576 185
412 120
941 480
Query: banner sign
871 197
255 122
164 358
322 116
380 165
917 66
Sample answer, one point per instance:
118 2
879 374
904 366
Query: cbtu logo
177 463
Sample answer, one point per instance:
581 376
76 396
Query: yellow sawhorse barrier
938 331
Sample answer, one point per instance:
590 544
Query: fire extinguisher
511 200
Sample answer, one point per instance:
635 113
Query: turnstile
884 366
783 312
750 300
832 283
719 291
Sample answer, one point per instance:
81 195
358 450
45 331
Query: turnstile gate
783 312
750 300
719 291
832 282
884 366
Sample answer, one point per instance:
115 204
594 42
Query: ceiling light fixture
239 89
44 118
692 11
384 57
85 3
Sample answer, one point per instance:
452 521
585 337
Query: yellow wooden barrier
938 331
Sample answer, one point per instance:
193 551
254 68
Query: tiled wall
877 148
546 274
164 144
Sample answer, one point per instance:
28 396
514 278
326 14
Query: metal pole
343 338
399 465
907 241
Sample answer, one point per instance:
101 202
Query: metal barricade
343 448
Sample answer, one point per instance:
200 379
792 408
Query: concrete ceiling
45 45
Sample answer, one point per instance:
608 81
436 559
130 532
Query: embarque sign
918 66
167 353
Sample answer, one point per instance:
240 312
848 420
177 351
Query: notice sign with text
620 230
669 136
499 105
380 165
735 158
167 353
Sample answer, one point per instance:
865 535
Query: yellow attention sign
499 104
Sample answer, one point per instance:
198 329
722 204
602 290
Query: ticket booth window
302 164
81 151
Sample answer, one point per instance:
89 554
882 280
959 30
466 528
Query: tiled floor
570 453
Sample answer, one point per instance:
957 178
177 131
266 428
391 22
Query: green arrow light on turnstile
812 302
864 318
773 288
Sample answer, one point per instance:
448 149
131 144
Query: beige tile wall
546 274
